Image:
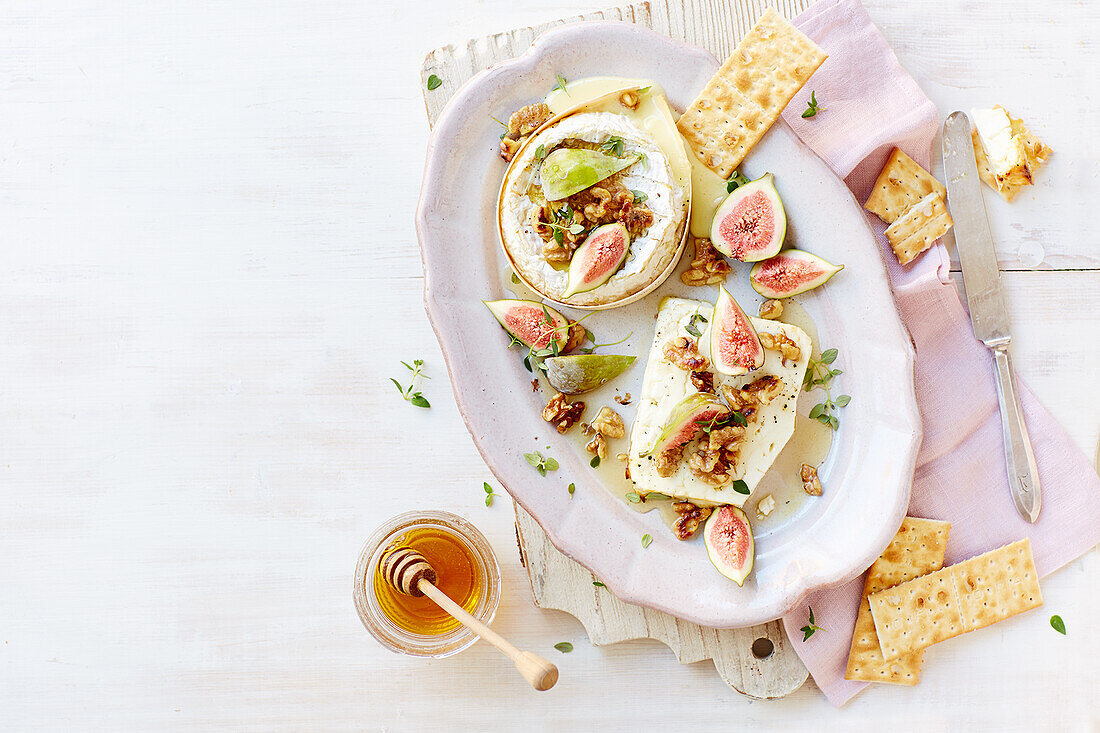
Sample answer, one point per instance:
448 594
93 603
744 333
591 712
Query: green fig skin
567 171
525 320
599 257
730 547
686 420
791 272
750 224
735 349
579 373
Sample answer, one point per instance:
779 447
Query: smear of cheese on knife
665 384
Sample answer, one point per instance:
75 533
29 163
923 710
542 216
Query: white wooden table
209 272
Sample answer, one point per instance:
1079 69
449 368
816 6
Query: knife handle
1023 475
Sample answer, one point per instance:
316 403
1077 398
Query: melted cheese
665 384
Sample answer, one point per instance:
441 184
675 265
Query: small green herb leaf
740 487
540 152
736 181
613 145
809 629
635 498
598 584
416 399
564 647
434 82
647 540
812 108
571 488
639 196
561 83
828 356
657 496
595 462
693 329
1057 624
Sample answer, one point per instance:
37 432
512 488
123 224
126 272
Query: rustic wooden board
556 581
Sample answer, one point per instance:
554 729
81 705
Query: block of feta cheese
665 384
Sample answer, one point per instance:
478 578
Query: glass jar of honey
468 574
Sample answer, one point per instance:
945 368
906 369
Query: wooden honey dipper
410 572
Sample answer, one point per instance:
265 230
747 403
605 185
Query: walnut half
708 267
781 343
689 518
810 483
561 413
607 424
682 352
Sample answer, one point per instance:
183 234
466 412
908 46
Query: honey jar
468 574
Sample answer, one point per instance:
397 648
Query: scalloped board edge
556 581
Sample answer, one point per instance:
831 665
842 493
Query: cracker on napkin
964 597
918 548
746 95
920 226
901 184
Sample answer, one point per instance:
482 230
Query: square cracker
954 600
924 223
901 184
918 548
749 91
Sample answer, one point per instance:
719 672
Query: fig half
728 537
578 373
735 348
567 171
600 255
685 421
751 223
790 272
533 324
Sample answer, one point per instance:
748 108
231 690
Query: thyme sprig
812 109
809 629
541 463
407 394
820 375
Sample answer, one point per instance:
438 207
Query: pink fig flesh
728 537
791 272
533 324
598 258
734 346
686 420
751 223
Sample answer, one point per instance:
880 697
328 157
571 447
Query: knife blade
988 314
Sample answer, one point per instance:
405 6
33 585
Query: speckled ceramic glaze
867 474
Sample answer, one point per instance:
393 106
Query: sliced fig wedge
578 373
790 272
751 223
567 171
685 421
600 255
533 324
728 537
734 346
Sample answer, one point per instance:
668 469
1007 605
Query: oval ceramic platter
807 542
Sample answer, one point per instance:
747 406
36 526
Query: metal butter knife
987 306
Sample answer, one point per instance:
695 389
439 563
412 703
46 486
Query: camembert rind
665 384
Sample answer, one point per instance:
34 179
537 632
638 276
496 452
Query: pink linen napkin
872 105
